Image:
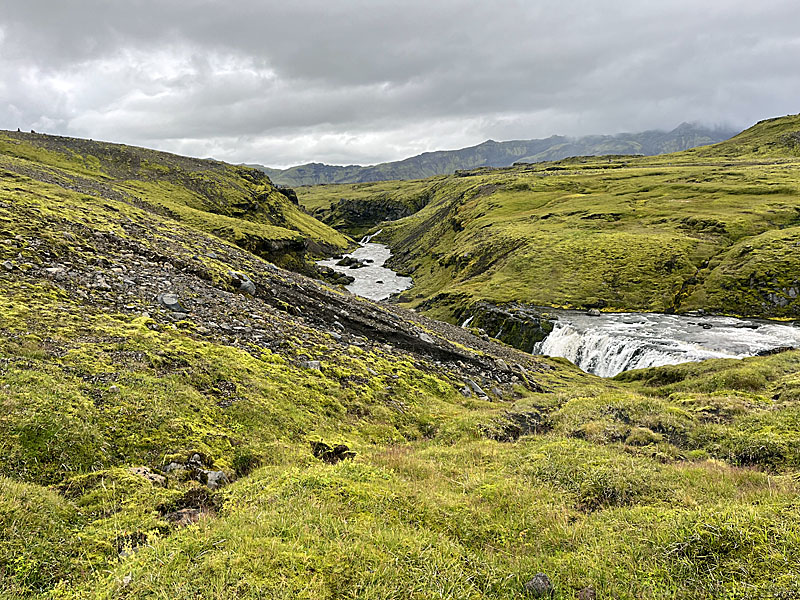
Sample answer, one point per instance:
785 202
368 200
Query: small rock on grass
154 478
214 479
331 454
476 388
540 586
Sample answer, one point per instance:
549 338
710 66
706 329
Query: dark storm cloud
357 81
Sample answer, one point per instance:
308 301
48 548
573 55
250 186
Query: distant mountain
502 154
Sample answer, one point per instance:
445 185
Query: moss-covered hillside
356 208
715 228
180 418
236 203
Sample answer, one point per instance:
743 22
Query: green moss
705 228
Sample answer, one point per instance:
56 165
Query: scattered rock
476 388
242 283
331 454
593 312
426 338
214 479
171 302
8 265
502 365
54 272
466 392
174 466
335 335
540 586
154 478
311 364
101 284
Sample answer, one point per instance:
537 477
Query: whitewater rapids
615 342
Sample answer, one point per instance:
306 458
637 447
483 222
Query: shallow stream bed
373 281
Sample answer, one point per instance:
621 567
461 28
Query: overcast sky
345 81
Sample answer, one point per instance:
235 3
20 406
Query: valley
191 407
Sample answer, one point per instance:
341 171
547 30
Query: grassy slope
236 203
675 482
711 228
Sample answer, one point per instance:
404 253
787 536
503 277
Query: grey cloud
365 81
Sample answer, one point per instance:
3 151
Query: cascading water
366 239
616 342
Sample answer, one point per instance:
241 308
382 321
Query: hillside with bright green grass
169 432
236 203
714 228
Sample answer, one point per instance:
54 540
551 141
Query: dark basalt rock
516 325
771 351
347 261
331 454
540 586
289 193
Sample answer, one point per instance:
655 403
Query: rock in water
540 586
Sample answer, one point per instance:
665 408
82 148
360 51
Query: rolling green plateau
182 418
714 228
501 154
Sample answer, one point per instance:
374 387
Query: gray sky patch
282 83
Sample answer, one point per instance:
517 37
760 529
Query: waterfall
614 342
467 321
367 238
603 354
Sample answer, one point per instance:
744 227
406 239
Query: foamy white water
616 342
373 281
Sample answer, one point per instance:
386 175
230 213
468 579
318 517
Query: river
614 342
373 281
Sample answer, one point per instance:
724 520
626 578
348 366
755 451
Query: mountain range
502 154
